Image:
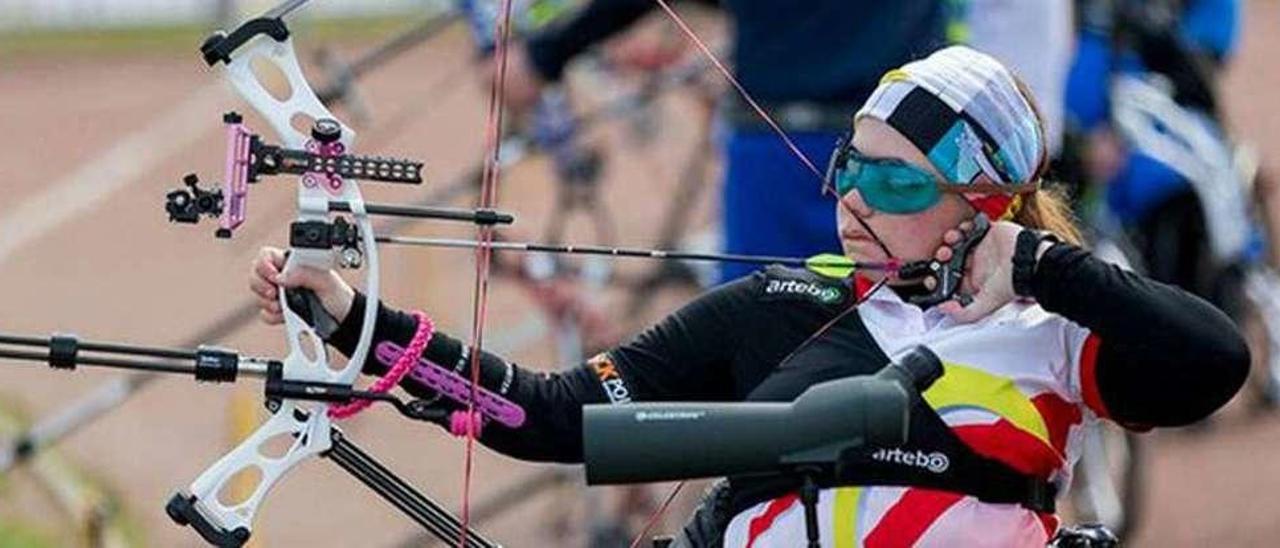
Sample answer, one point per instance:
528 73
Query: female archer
943 167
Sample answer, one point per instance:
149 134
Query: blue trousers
771 203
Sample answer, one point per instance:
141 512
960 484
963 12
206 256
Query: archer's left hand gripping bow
327 171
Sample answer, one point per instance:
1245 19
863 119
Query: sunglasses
886 184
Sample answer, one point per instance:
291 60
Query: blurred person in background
808 63
1186 42
1150 137
1040 339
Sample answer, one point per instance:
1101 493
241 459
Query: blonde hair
1047 209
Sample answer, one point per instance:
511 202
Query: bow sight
322 164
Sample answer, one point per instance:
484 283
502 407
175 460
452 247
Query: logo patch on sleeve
614 387
792 289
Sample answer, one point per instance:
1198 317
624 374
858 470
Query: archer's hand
266 279
988 272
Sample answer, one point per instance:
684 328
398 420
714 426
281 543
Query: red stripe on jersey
907 520
1088 377
1050 522
1059 416
861 286
1008 444
763 522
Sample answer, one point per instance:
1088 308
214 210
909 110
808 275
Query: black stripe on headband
922 118
925 119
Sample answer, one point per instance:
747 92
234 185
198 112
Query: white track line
132 157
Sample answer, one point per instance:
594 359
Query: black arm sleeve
1166 357
682 358
552 48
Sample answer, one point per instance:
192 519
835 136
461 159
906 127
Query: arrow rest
337 234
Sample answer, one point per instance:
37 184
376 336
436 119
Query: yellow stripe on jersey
844 516
967 387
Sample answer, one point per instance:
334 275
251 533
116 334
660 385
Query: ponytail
1047 208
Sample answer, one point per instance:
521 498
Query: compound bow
300 389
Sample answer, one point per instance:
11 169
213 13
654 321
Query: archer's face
910 237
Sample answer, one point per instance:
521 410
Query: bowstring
489 193
742 92
827 189
786 140
653 519
484 252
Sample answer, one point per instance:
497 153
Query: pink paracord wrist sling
396 373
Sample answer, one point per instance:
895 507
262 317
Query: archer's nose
853 202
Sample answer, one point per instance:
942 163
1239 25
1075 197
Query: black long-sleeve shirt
1160 356
1165 358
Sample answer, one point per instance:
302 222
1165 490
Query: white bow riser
306 421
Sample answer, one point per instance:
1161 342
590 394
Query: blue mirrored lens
891 186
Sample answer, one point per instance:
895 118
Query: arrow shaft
656 254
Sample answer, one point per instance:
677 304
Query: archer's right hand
266 278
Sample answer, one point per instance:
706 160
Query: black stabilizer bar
66 352
183 507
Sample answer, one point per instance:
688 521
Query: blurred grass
15 535
88 511
181 39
